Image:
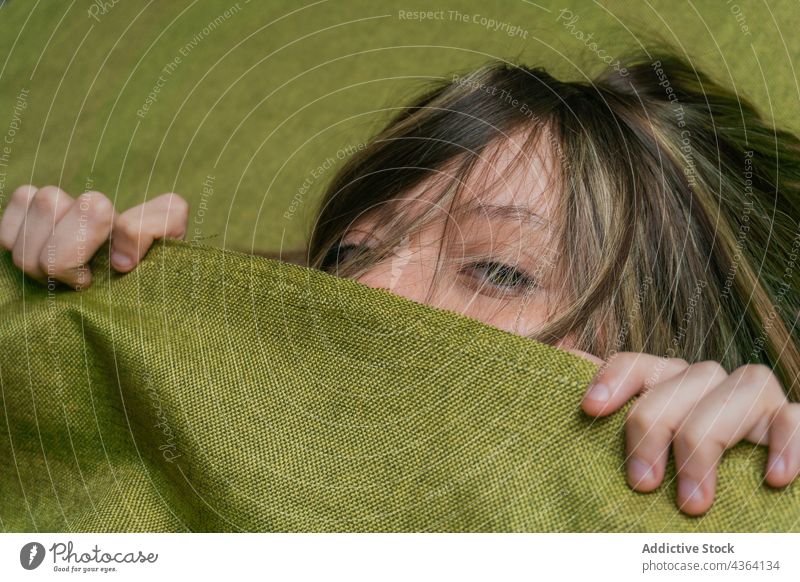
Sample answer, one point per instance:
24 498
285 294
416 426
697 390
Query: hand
53 236
702 411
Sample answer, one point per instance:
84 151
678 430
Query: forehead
514 172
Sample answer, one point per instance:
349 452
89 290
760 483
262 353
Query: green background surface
272 92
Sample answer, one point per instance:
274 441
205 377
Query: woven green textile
214 391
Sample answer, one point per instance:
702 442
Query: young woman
650 211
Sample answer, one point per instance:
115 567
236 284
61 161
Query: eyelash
338 254
515 280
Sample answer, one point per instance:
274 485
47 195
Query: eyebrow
503 211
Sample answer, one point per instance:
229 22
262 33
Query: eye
499 277
338 254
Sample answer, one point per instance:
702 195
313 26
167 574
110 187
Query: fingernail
121 260
599 392
689 491
640 471
777 464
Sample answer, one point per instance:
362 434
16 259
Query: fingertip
694 510
778 473
78 279
598 399
642 476
122 262
589 407
593 407
694 498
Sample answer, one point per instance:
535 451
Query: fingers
744 403
655 417
77 237
701 411
45 209
135 230
783 465
14 214
52 236
624 375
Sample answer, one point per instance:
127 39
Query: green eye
501 276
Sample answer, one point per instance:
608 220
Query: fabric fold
211 390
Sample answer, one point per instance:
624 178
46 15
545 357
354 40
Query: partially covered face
491 255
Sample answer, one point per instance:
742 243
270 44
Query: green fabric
211 390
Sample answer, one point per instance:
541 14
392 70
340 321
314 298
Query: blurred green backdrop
246 108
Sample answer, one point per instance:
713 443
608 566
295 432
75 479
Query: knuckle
97 205
175 199
790 412
708 368
620 361
690 437
643 417
46 198
177 205
672 367
127 226
622 358
756 374
22 195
